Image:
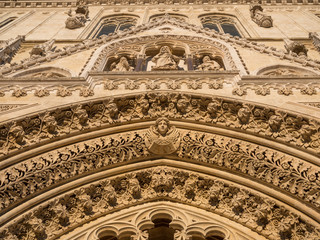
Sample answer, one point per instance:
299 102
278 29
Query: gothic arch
52 155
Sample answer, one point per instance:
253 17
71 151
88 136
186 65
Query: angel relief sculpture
162 138
165 60
122 66
209 65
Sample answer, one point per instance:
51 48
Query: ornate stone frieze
9 48
8 107
171 105
259 17
254 211
290 174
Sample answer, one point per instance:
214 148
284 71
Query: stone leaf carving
162 138
282 171
172 105
259 17
256 212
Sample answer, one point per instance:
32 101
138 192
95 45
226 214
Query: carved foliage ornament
216 111
255 212
290 174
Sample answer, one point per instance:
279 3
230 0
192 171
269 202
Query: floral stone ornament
162 138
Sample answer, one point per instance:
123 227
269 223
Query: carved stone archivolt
172 105
257 212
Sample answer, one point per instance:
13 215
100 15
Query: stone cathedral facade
160 120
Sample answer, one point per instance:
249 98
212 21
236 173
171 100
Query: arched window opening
220 24
113 24
161 229
172 15
7 21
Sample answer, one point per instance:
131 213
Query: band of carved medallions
296 130
25 179
74 209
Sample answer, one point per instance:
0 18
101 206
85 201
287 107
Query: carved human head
165 49
123 59
162 125
206 59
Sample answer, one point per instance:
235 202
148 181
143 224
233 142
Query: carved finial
162 138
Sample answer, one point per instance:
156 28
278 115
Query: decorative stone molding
296 48
257 212
168 104
259 17
62 3
9 48
296 177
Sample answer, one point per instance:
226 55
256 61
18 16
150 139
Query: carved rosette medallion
162 138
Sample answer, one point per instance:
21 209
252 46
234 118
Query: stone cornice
72 3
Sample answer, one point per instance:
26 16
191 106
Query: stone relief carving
42 49
174 105
122 66
79 18
9 48
162 138
293 47
254 211
165 60
259 17
209 65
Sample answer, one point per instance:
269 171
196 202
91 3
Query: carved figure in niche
122 66
165 60
208 64
80 17
259 17
162 138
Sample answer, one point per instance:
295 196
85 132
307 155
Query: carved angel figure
165 60
122 66
208 64
162 138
